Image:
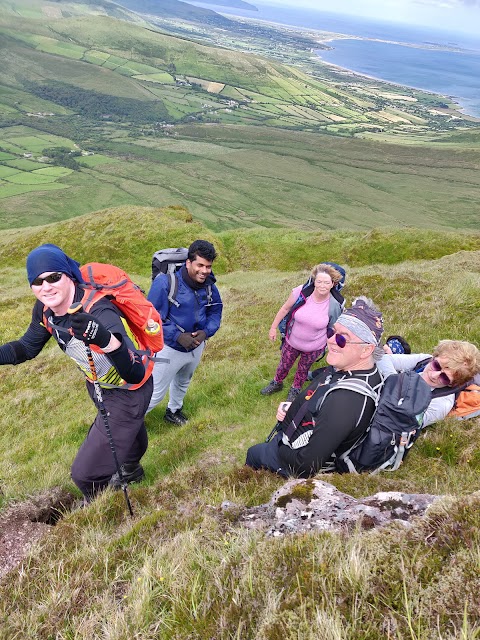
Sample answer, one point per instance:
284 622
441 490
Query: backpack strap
172 286
396 460
173 289
348 384
208 290
369 392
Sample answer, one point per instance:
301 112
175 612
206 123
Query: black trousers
94 464
265 456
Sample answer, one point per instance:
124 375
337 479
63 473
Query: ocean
441 70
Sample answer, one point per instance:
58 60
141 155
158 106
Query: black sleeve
337 418
127 362
30 344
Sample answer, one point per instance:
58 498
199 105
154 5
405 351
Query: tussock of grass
184 569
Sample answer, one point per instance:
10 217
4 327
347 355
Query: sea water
455 74
441 62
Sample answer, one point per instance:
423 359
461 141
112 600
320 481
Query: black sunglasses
444 379
340 339
52 278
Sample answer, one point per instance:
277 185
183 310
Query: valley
166 120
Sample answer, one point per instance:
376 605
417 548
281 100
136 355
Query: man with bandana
328 428
56 281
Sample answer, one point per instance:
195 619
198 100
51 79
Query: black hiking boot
175 417
272 387
292 394
131 473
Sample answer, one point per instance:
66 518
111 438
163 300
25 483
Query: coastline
456 107
323 37
456 101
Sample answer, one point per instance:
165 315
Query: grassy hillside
232 177
181 569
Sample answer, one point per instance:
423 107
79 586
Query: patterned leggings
288 357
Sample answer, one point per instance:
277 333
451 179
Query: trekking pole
75 308
275 430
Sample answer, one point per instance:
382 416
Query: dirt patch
23 524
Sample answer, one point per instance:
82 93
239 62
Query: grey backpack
169 261
396 424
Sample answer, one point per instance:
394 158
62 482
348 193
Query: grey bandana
357 327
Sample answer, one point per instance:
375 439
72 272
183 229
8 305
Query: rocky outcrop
313 505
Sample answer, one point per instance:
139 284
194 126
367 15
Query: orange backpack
106 280
467 403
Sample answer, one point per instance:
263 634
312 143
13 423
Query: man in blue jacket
194 318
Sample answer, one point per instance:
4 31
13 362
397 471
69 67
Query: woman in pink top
306 330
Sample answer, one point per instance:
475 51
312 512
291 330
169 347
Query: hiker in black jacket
56 281
336 425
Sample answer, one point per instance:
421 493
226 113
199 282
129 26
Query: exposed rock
314 505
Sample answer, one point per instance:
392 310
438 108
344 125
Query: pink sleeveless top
309 331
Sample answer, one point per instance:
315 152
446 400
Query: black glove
200 337
187 341
87 329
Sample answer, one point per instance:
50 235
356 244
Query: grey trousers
174 376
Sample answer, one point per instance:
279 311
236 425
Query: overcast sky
463 15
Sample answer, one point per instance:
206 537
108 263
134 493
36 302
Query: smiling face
437 379
199 269
353 356
322 283
57 296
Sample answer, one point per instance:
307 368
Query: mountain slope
175 9
238 4
184 566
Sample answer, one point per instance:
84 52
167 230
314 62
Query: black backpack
395 426
307 291
169 261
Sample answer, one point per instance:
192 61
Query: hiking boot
272 387
131 473
175 417
292 394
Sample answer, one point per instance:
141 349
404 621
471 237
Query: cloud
450 4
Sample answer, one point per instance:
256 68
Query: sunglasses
444 379
340 339
52 278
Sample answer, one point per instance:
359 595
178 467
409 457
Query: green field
94 161
30 178
56 172
25 165
261 131
14 190
7 171
245 176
